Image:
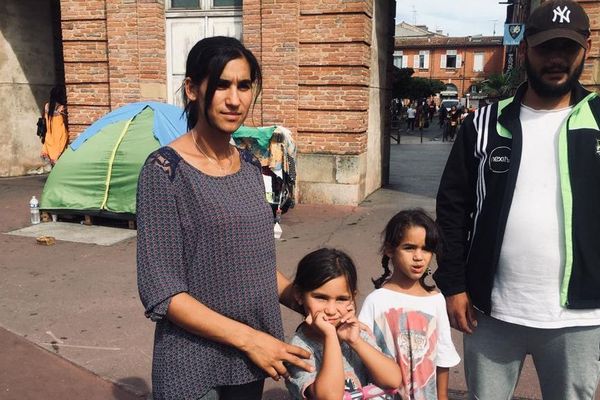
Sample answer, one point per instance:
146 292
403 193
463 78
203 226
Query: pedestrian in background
57 132
518 206
432 108
422 120
205 249
452 121
411 114
442 115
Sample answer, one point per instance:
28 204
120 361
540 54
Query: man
411 114
519 207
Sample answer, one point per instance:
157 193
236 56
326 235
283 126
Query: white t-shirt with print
415 331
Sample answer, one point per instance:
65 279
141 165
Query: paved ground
71 325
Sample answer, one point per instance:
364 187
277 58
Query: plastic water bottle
34 207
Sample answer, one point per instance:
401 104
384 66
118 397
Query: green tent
98 173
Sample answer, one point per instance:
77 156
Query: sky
454 17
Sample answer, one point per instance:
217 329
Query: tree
406 87
401 81
502 86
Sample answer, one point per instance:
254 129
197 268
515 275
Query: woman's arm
267 352
442 375
285 290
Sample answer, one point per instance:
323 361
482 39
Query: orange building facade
460 62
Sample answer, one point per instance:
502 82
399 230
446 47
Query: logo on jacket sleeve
499 159
598 147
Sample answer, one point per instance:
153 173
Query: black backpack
41 129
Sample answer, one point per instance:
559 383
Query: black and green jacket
477 188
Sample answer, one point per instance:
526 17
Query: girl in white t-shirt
408 316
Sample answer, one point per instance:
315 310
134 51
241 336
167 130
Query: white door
182 35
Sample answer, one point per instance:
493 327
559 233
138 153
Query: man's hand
461 313
269 354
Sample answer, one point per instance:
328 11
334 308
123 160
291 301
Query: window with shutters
478 60
421 60
399 59
451 60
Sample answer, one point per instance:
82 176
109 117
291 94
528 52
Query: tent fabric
100 174
262 135
169 121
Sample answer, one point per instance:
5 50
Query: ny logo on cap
563 14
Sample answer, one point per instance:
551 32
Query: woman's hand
269 354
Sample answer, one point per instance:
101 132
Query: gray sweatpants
567 360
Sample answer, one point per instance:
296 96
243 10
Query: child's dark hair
207 60
394 233
319 267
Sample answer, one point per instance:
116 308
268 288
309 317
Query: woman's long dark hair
319 267
394 233
58 96
206 60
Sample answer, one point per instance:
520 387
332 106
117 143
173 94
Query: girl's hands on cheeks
319 323
349 328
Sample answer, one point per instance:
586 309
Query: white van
448 103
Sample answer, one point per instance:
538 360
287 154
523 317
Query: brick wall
114 53
315 57
335 56
591 74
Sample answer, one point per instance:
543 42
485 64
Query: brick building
460 62
325 63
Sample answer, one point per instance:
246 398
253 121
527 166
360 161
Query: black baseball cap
558 19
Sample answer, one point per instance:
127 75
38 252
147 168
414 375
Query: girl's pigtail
385 260
425 286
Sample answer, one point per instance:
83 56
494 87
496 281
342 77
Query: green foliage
502 86
406 87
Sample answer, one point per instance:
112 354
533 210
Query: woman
57 134
206 252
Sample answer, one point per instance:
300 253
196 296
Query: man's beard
544 89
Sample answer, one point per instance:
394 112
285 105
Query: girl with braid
408 316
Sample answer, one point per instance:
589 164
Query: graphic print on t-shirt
414 338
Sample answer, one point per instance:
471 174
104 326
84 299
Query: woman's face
232 99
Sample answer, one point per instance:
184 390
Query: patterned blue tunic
211 237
